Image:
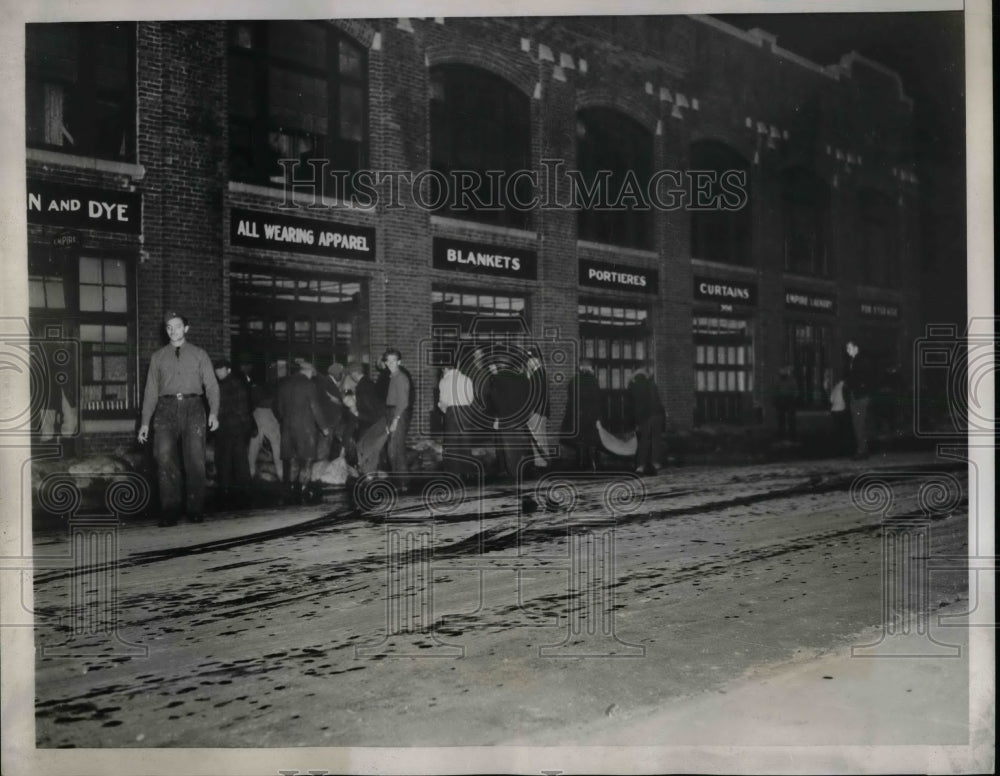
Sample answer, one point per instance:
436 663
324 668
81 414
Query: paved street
601 610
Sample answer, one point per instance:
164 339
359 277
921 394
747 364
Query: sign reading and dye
810 300
254 229
619 277
479 259
81 207
725 291
879 310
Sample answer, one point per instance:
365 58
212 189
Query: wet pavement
563 610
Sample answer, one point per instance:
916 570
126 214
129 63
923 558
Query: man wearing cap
397 415
232 440
179 374
331 404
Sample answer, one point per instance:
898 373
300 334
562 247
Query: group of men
299 415
501 396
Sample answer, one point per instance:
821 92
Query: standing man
857 389
583 410
232 440
456 397
262 401
512 405
397 414
539 418
298 410
786 394
179 375
647 410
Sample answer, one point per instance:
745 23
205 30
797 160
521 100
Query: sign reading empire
255 229
461 256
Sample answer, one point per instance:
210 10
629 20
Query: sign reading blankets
479 259
255 229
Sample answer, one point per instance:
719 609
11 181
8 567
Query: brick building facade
155 182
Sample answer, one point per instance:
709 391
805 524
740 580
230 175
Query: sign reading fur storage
599 274
483 259
255 229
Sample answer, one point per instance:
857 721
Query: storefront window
81 89
479 315
805 211
90 299
480 123
297 90
615 158
618 340
879 257
723 368
284 317
719 233
809 351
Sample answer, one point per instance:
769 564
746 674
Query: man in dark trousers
857 389
298 410
583 410
785 398
397 415
647 410
511 395
232 440
180 375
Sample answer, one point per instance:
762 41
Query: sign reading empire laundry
254 229
620 277
480 259
725 291
809 300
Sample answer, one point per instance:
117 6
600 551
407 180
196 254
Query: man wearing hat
297 406
179 375
232 440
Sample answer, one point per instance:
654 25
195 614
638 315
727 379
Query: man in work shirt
456 397
178 375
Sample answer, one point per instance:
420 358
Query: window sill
620 250
134 171
741 269
799 278
108 425
458 224
301 200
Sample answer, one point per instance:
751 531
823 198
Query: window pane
640 350
700 380
90 333
115 299
616 349
91 298
116 369
303 331
117 334
301 42
352 113
699 354
710 353
350 60
588 348
114 272
602 348
96 370
36 293
711 381
721 355
90 270
602 377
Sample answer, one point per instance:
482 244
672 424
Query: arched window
480 136
614 156
806 217
878 256
721 231
297 90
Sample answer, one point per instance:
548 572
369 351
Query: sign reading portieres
255 229
886 310
810 300
725 291
481 259
619 277
81 207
